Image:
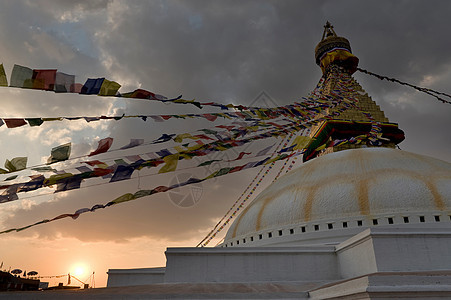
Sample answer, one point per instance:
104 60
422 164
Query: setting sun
78 270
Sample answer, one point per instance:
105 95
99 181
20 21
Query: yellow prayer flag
109 88
272 160
179 148
194 147
323 146
300 142
3 80
124 198
179 138
171 163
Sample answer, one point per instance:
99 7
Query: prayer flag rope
160 189
123 171
212 235
52 80
62 152
239 198
430 92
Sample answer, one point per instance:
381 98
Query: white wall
250 264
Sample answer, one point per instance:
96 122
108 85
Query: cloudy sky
222 51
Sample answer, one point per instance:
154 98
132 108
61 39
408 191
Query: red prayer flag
104 145
94 162
13 123
161 188
102 172
142 94
44 79
76 88
210 117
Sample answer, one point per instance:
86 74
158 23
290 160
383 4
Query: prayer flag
164 152
140 94
13 123
59 153
157 118
63 82
35 121
109 88
264 151
44 79
123 198
92 86
21 77
164 138
3 80
133 143
104 145
98 163
76 88
179 138
301 142
123 172
69 183
171 163
241 155
16 164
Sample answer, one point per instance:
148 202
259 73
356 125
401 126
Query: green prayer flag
16 164
35 121
59 153
21 77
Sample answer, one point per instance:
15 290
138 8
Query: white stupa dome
331 198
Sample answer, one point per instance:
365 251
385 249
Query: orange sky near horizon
62 256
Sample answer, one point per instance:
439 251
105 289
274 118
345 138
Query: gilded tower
363 124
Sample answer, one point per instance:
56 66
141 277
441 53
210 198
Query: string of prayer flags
3 79
59 153
215 231
129 196
104 145
163 156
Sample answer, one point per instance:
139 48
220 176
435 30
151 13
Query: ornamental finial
334 49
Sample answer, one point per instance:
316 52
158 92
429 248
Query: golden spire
362 125
334 49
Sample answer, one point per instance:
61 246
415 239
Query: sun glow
78 270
